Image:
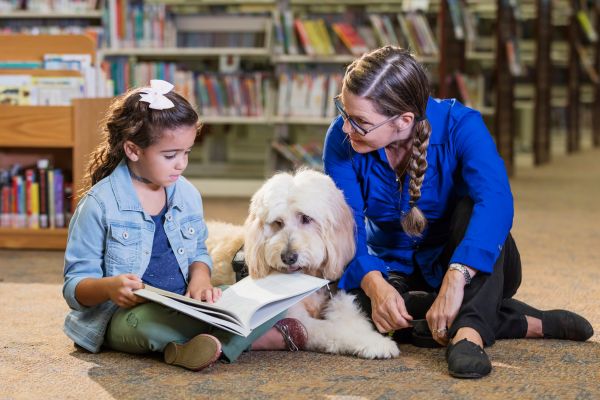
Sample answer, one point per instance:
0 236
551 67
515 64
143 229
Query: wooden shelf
42 239
36 126
186 52
302 120
210 2
233 120
51 15
301 58
64 134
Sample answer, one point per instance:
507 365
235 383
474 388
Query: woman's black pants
487 304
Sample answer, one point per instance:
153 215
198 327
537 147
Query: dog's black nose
289 257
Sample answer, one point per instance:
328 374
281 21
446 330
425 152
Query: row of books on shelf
298 154
475 90
139 24
333 34
35 197
42 6
238 94
28 89
299 94
307 94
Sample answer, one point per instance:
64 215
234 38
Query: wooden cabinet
64 134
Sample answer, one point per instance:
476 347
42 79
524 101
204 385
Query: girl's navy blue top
462 161
163 270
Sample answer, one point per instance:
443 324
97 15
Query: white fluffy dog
302 223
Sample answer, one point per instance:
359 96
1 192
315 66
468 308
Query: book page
247 296
220 320
244 305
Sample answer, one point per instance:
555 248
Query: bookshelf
504 129
573 82
64 134
460 52
543 83
50 17
596 108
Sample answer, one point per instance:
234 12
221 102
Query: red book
303 36
350 37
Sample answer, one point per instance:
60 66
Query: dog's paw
382 348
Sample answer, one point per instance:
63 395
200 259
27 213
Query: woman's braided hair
128 118
396 83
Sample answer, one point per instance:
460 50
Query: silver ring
443 330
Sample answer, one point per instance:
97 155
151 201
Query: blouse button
125 235
181 250
191 230
169 217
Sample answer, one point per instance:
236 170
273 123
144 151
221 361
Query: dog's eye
305 219
277 224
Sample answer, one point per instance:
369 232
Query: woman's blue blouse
462 161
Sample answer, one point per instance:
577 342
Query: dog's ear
254 238
338 236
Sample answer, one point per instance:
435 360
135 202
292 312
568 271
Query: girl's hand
208 293
199 286
388 310
444 309
120 290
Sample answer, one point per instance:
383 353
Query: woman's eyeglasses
357 128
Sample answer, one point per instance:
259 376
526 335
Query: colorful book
350 38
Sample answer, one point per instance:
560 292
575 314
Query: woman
433 210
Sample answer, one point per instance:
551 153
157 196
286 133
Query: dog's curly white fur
301 222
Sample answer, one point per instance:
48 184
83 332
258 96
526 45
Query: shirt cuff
358 268
205 258
69 293
475 257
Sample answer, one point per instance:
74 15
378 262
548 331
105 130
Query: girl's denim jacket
110 234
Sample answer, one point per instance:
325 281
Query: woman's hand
199 286
444 309
120 289
387 306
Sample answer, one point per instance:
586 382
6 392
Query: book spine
51 204
304 38
43 198
29 181
59 198
6 205
34 222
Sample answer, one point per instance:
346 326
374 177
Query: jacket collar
437 114
125 194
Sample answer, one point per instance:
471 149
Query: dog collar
239 265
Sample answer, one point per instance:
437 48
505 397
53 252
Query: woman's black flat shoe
467 360
566 325
556 324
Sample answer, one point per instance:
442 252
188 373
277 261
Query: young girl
141 222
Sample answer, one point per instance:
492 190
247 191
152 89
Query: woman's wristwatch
463 270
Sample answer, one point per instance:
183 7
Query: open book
244 305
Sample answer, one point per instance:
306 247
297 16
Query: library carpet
556 227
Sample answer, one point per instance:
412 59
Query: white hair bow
155 94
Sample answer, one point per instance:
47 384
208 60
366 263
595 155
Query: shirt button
181 250
125 235
169 217
191 230
147 252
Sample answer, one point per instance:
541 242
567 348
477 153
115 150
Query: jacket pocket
122 248
190 232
